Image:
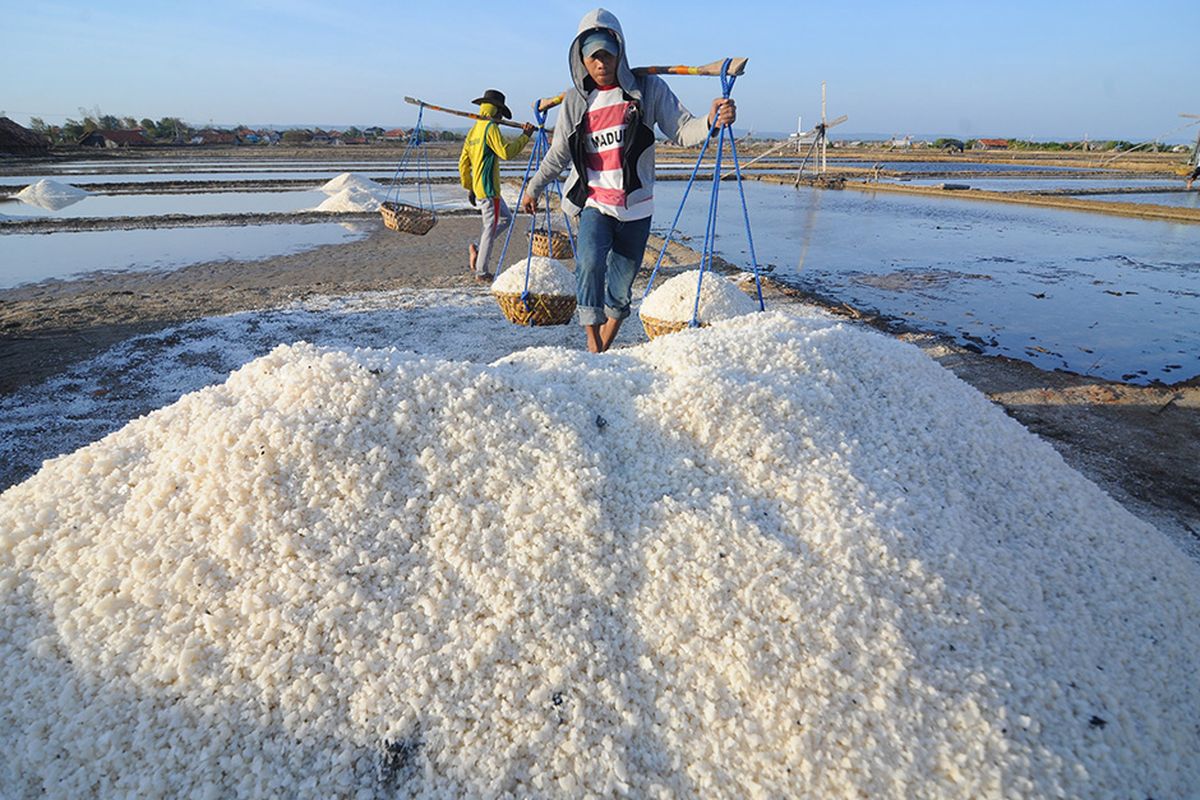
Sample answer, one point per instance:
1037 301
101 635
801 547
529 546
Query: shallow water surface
1044 184
1102 295
1178 199
28 258
139 205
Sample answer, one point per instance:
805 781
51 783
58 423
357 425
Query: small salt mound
351 180
783 558
546 276
675 300
352 198
51 195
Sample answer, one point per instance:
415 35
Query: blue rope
708 252
541 146
420 157
534 156
710 229
428 182
737 168
675 222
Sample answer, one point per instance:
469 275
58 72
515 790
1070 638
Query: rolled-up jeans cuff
591 315
613 313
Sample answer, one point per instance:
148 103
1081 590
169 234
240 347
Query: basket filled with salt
555 245
540 292
406 218
670 307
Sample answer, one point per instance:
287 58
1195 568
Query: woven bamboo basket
661 327
406 218
547 309
558 246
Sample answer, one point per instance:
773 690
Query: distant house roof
395 133
215 137
993 142
120 138
20 141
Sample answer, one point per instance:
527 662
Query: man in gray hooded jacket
605 134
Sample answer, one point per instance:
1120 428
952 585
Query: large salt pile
546 276
675 299
51 195
351 199
351 192
351 180
779 558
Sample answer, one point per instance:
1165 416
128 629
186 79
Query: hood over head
601 19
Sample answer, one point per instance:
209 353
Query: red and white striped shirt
605 128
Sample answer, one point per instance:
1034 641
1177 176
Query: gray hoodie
654 105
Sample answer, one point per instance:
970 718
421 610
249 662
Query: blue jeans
607 258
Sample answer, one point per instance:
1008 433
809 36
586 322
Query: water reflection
140 205
1102 295
27 258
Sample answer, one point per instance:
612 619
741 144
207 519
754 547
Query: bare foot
473 253
608 332
594 342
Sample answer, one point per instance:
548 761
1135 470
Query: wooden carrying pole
737 66
467 114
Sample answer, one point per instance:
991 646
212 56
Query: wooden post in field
824 137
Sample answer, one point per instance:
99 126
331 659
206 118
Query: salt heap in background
51 195
675 299
350 180
351 192
779 557
546 276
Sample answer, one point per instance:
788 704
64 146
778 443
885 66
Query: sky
1045 70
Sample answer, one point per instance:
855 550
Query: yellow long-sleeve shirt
479 165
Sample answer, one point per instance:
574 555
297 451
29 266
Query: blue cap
599 40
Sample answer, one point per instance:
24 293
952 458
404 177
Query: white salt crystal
352 198
351 180
914 597
51 195
675 299
546 276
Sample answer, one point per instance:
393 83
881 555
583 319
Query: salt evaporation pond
961 166
138 205
1101 295
318 171
911 166
780 556
445 198
28 258
1178 199
316 176
1044 184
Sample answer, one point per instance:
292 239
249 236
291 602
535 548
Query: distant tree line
166 129
174 129
1102 145
1025 144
